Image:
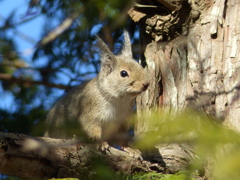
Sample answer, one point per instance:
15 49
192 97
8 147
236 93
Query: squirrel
101 108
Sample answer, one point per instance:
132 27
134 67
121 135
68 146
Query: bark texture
195 63
29 157
199 68
213 60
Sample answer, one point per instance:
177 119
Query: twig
28 82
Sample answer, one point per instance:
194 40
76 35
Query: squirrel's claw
103 146
133 152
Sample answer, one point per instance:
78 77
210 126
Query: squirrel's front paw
133 152
103 146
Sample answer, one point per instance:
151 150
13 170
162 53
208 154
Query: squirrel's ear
127 50
107 57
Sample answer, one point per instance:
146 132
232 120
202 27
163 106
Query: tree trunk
198 69
213 58
192 57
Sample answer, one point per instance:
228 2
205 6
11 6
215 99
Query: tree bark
29 157
213 58
25 156
199 69
196 67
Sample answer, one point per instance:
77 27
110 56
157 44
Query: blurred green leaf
208 138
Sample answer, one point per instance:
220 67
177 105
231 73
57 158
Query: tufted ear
108 59
127 50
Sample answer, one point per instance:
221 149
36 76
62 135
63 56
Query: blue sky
32 29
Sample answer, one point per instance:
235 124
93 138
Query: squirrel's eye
123 73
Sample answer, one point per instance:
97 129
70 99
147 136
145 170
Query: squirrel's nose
145 86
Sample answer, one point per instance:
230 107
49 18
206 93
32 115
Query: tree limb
25 156
59 29
29 82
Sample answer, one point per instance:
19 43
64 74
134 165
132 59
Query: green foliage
65 179
214 144
182 175
216 147
21 122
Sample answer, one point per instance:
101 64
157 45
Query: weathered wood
199 69
31 157
148 100
213 56
45 157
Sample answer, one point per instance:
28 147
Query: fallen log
40 157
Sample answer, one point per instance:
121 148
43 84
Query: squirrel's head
120 75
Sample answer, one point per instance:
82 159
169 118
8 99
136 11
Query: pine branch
29 82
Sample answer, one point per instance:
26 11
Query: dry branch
25 156
29 82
